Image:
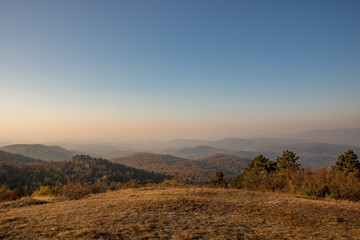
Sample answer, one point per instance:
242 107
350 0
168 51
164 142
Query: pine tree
218 180
347 162
288 160
260 164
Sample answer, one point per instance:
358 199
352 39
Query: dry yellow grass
188 213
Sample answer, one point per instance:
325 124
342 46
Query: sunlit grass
182 213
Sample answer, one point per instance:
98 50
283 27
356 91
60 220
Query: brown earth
181 213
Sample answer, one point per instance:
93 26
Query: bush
46 191
251 180
318 191
237 181
8 195
98 187
74 191
173 183
285 180
345 186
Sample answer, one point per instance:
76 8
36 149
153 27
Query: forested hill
12 157
192 171
81 169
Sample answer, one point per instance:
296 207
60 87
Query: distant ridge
13 157
38 151
348 136
196 152
314 155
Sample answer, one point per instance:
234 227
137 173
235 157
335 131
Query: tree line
285 174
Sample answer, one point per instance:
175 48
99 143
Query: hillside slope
192 213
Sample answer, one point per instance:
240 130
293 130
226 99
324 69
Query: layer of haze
138 70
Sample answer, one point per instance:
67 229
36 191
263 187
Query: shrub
8 195
318 191
74 191
345 186
285 180
251 180
173 183
46 191
237 181
98 187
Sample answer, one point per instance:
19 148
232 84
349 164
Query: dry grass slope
188 213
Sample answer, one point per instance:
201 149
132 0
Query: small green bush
318 191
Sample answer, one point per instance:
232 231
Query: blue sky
117 70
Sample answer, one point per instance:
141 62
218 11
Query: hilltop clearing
187 213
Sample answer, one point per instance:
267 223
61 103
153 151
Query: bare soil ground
187 213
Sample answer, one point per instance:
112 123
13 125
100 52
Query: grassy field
187 213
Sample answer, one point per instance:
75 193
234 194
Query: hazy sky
153 69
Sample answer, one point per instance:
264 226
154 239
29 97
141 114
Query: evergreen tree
260 164
347 162
288 160
218 180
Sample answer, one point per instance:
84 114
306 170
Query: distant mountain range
99 150
316 149
314 155
350 136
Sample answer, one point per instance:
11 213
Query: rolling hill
196 152
196 171
80 169
12 157
228 164
38 151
